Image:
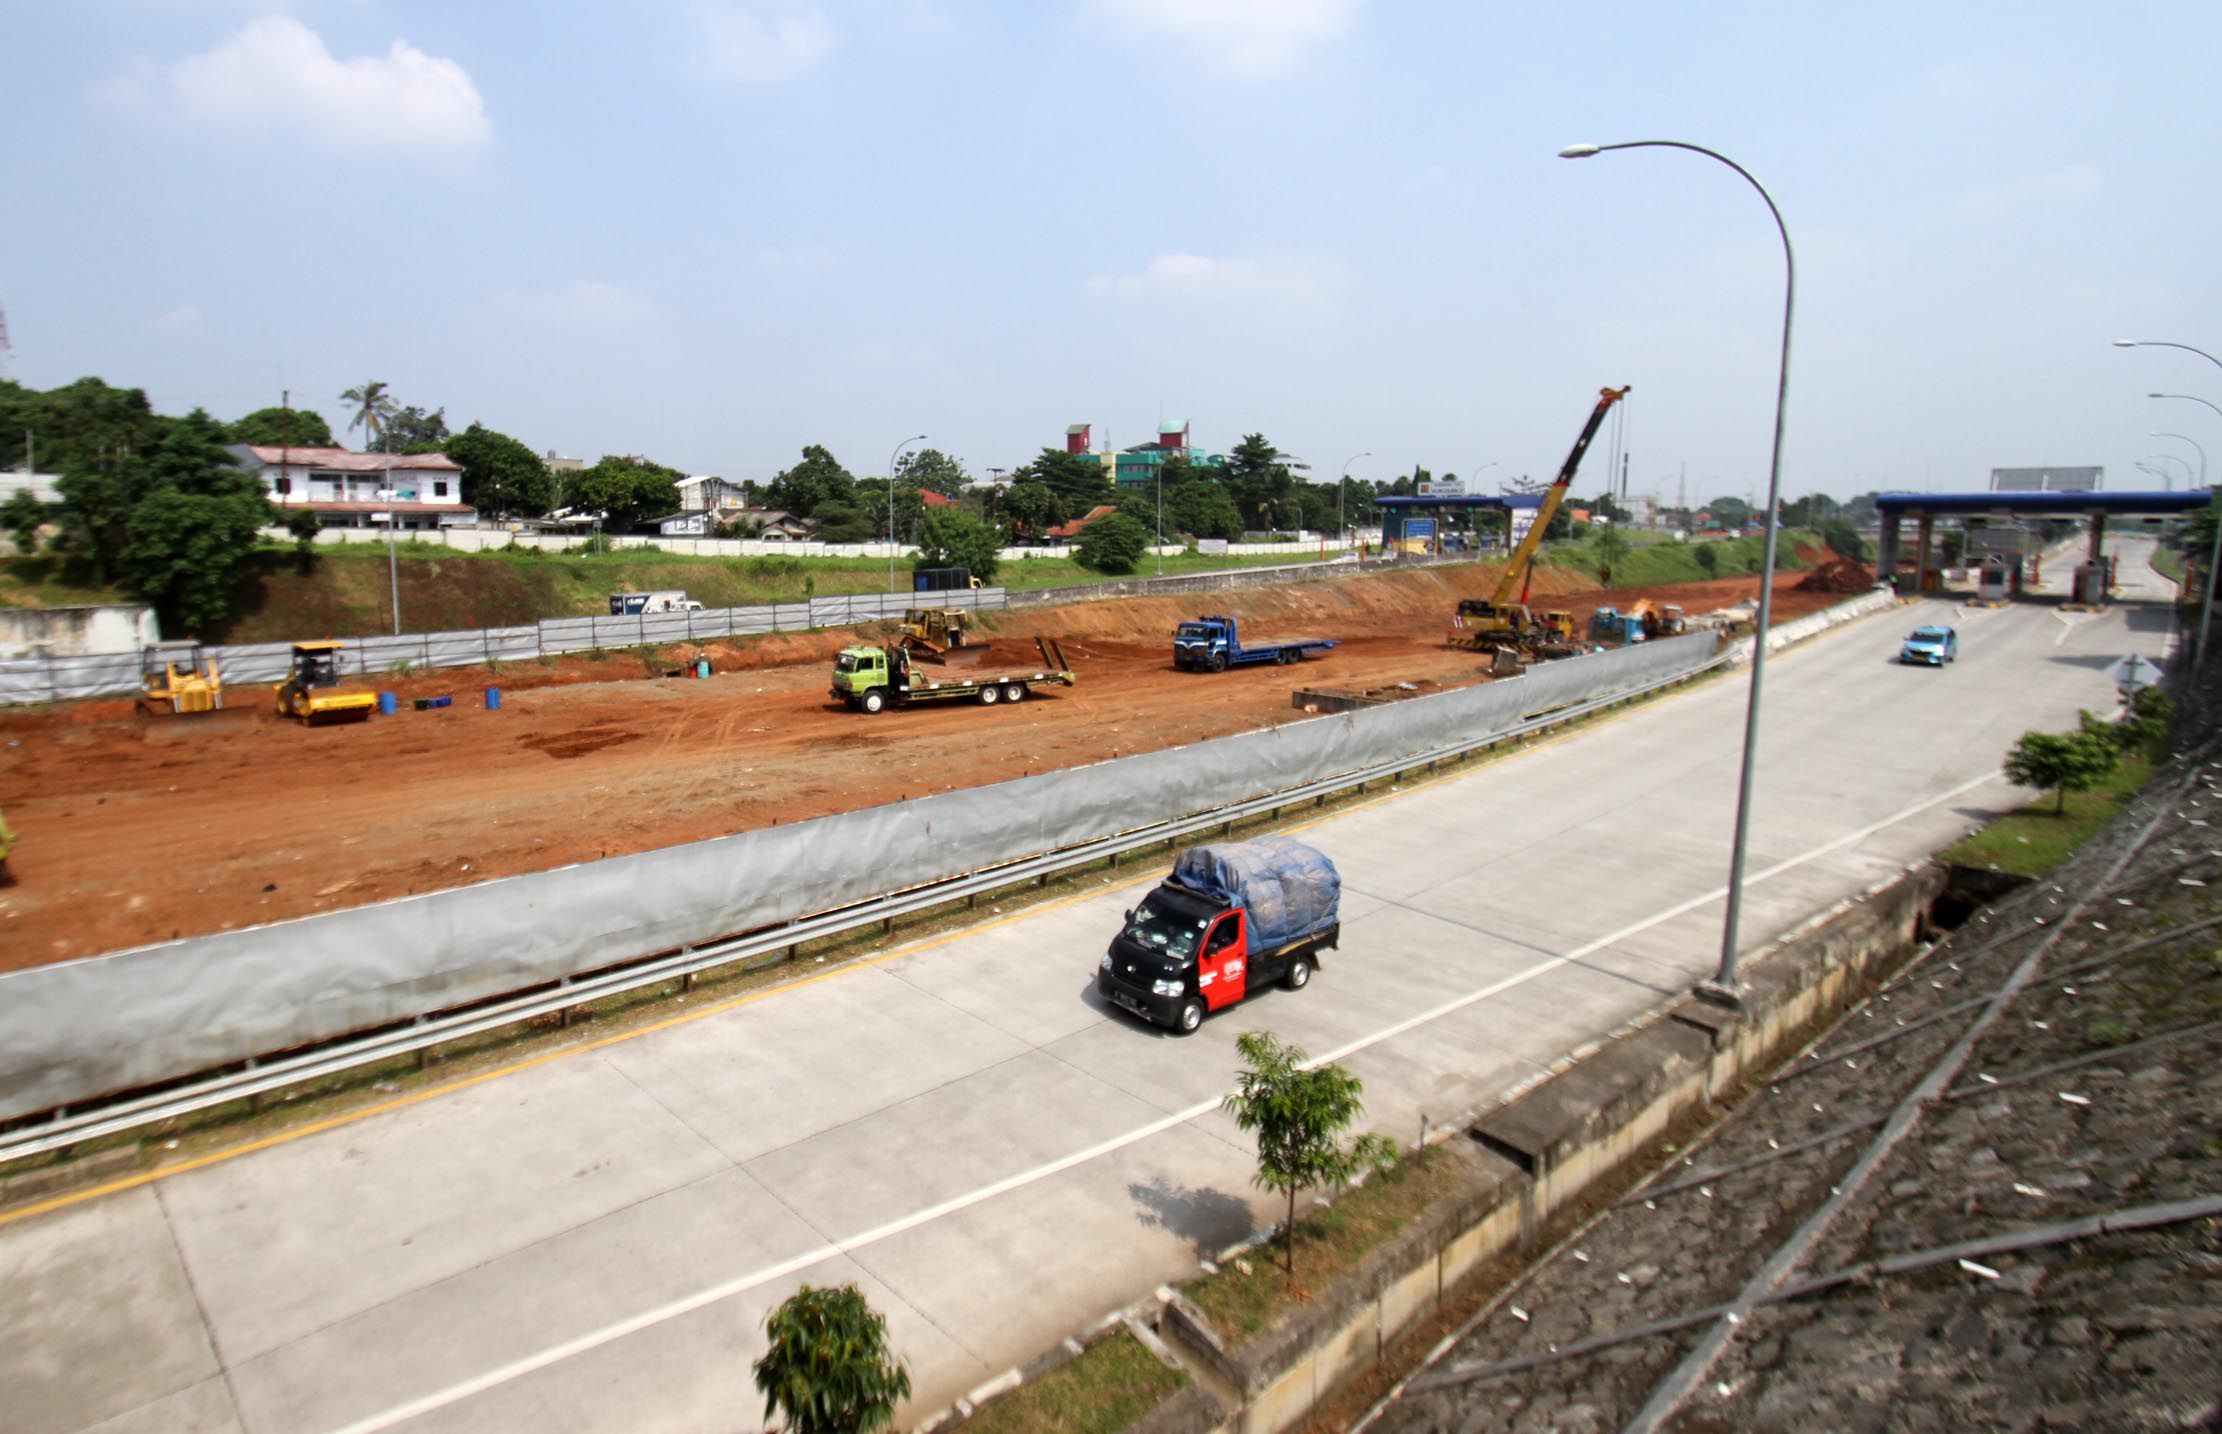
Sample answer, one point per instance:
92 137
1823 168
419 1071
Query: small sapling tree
1299 1116
828 1370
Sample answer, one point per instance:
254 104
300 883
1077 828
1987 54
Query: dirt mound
1840 575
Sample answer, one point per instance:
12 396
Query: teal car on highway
1930 647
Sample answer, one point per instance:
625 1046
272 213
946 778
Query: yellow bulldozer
932 633
177 681
307 691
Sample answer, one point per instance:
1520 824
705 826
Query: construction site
139 827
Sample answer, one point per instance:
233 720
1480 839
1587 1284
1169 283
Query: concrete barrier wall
79 1029
1781 635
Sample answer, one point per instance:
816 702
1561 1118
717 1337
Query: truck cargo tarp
1289 889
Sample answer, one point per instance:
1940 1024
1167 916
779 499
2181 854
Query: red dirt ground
136 830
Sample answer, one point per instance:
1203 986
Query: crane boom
1516 572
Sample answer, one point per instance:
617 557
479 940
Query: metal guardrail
62 1128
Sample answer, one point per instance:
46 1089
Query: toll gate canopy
2094 508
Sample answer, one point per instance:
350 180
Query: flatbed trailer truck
871 679
1214 644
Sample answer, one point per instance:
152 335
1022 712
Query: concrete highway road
591 1241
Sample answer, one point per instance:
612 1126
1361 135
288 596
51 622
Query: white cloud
276 74
2051 190
762 43
586 302
1285 279
176 321
1254 39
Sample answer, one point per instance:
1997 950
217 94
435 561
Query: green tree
1034 507
304 525
1844 539
818 478
840 521
373 405
951 537
412 430
21 517
1708 559
1299 1117
934 471
2197 538
829 1369
187 540
630 491
83 425
1113 543
1202 509
1610 546
1078 479
1730 513
284 428
2060 762
1257 477
500 475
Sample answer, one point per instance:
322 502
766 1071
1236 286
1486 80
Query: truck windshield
846 662
1168 924
1195 630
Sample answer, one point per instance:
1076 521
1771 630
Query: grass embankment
1104 1390
2168 563
2034 840
342 591
1654 559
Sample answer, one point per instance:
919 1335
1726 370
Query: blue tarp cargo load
1290 890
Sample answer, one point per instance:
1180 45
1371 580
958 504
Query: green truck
869 679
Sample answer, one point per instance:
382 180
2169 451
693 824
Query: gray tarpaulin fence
62 679
80 1029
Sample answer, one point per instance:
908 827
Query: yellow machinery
1504 621
933 632
1660 619
304 693
167 690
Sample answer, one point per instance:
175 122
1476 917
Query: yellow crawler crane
304 693
1502 621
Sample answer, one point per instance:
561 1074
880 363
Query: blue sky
713 231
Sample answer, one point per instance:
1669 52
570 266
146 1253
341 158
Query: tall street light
891 461
1342 529
2214 549
393 566
2195 443
1723 985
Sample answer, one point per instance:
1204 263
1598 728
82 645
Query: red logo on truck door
1224 970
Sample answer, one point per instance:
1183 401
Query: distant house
775 523
342 487
928 498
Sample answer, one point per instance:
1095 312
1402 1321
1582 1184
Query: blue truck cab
1214 644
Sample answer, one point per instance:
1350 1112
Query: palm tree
373 406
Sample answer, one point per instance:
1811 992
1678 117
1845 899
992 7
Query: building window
439 488
285 487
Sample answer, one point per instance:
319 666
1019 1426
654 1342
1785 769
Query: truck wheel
1191 1016
1014 691
872 701
1219 662
990 695
1299 974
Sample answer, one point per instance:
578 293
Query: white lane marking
740 1284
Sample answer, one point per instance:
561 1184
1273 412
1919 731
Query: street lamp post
1723 985
892 458
388 495
1342 529
2214 549
2195 443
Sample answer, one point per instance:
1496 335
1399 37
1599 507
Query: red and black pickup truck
1232 918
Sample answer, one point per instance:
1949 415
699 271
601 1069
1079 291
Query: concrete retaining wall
1538 1155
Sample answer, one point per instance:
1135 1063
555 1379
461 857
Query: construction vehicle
1232 917
1214 644
1663 619
932 633
1610 624
167 691
1503 621
306 693
870 679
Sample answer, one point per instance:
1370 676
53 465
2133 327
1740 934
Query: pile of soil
1841 575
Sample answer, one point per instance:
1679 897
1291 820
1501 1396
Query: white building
704 503
342 487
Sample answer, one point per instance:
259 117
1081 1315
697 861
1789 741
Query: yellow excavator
306 693
1503 624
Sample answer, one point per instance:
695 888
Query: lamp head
1578 151
2126 343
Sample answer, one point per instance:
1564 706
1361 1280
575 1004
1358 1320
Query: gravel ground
2094 1089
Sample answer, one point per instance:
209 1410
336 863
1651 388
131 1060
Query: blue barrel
385 704
702 667
493 699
